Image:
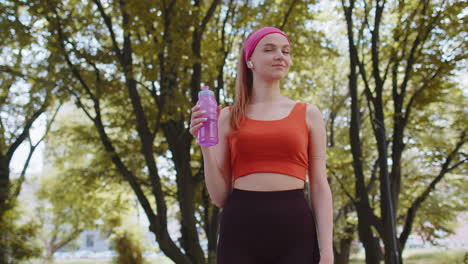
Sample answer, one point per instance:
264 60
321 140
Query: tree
135 68
78 191
25 96
127 244
418 52
19 238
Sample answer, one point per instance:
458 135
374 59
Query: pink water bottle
208 132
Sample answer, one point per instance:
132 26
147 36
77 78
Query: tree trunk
4 201
388 232
388 214
367 237
365 215
4 184
344 250
179 145
211 227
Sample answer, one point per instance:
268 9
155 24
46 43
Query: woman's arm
216 162
319 189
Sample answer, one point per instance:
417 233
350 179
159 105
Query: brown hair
243 91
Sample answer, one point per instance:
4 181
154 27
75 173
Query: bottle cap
205 90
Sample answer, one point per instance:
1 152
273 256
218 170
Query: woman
256 173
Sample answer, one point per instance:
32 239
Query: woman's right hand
195 121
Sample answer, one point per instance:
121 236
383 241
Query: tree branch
288 13
108 22
417 44
348 207
32 148
375 48
412 210
342 185
67 239
74 69
108 146
208 15
17 142
418 91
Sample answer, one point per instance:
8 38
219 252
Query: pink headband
252 41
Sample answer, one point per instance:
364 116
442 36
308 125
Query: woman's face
271 57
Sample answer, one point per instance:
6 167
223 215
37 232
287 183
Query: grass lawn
427 256
411 256
158 260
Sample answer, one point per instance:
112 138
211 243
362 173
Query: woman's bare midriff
268 182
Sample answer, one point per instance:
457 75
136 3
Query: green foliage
24 97
429 256
71 53
126 238
19 238
128 248
80 191
406 61
433 135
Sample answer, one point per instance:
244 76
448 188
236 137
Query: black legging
274 227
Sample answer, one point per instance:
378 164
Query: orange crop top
278 146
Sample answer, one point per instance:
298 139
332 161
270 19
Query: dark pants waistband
256 195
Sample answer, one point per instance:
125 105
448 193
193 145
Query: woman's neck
266 92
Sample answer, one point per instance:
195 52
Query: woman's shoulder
225 115
225 111
311 109
313 114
